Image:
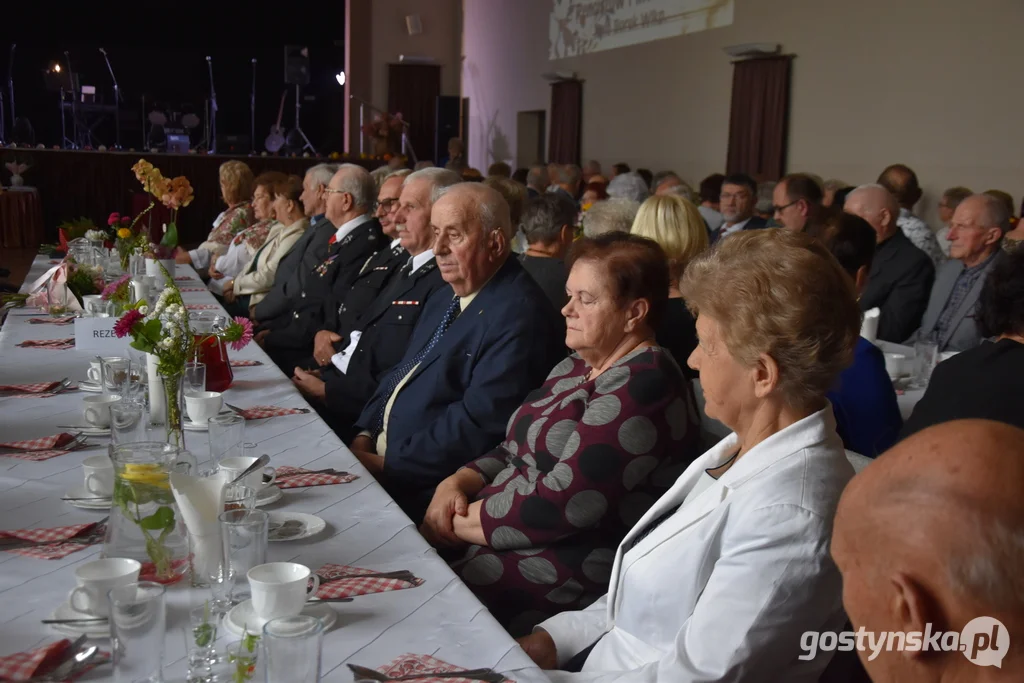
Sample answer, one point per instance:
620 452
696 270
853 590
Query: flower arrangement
83 280
73 229
382 129
163 330
118 291
175 194
16 170
96 235
127 240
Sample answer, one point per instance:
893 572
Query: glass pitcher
145 523
211 350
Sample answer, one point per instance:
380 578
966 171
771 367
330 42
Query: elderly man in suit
736 203
357 236
901 274
927 539
375 342
305 254
902 182
481 345
975 235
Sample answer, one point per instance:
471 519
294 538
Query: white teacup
257 480
95 371
96 578
98 471
97 409
202 405
896 365
280 589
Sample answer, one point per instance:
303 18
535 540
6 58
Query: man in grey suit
308 252
975 234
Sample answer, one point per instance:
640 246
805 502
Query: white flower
144 310
166 343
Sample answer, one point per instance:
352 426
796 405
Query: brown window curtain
566 114
413 91
759 119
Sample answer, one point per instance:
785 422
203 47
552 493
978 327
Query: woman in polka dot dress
584 457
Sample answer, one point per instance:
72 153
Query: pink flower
114 218
123 327
246 334
112 288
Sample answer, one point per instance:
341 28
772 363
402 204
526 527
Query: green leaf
163 518
170 238
203 634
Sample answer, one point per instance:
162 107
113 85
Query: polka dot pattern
578 468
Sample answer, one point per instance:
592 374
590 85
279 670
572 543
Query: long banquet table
365 527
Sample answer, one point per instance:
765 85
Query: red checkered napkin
191 289
262 412
39 388
43 443
184 278
245 363
55 550
202 307
297 477
66 320
55 344
347 582
413 665
24 665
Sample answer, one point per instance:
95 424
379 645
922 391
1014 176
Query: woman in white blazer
257 276
720 578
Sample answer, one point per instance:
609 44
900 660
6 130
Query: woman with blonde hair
236 187
676 225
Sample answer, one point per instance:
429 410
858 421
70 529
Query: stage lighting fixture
340 77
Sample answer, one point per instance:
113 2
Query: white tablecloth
365 527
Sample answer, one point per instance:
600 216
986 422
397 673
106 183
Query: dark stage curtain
566 115
413 91
759 119
93 184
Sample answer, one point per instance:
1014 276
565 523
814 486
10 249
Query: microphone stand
252 112
74 101
213 109
117 101
10 84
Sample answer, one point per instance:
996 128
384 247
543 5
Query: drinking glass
57 300
227 434
138 624
200 640
291 649
244 533
239 497
195 377
115 372
242 657
126 422
926 356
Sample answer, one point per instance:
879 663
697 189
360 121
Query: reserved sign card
97 334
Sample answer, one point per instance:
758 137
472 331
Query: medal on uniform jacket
321 270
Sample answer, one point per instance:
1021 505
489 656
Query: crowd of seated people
514 358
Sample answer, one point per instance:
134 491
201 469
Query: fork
401 575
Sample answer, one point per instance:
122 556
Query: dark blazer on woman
984 383
581 462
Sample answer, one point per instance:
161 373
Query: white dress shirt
735 227
351 225
724 587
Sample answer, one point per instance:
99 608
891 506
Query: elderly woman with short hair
610 215
724 573
236 186
584 456
676 225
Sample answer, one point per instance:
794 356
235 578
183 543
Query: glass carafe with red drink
211 350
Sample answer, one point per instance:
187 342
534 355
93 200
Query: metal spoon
260 463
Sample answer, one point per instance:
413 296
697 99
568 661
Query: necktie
398 374
334 238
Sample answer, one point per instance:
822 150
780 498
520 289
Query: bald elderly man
928 538
481 344
902 182
901 275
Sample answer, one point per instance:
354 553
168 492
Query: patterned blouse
582 461
233 221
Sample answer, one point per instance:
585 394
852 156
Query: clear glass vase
167 403
145 523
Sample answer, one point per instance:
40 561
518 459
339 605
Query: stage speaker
446 114
296 65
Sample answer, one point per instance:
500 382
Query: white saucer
82 492
268 495
91 387
190 426
89 430
304 526
100 629
242 617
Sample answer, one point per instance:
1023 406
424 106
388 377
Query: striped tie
398 374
